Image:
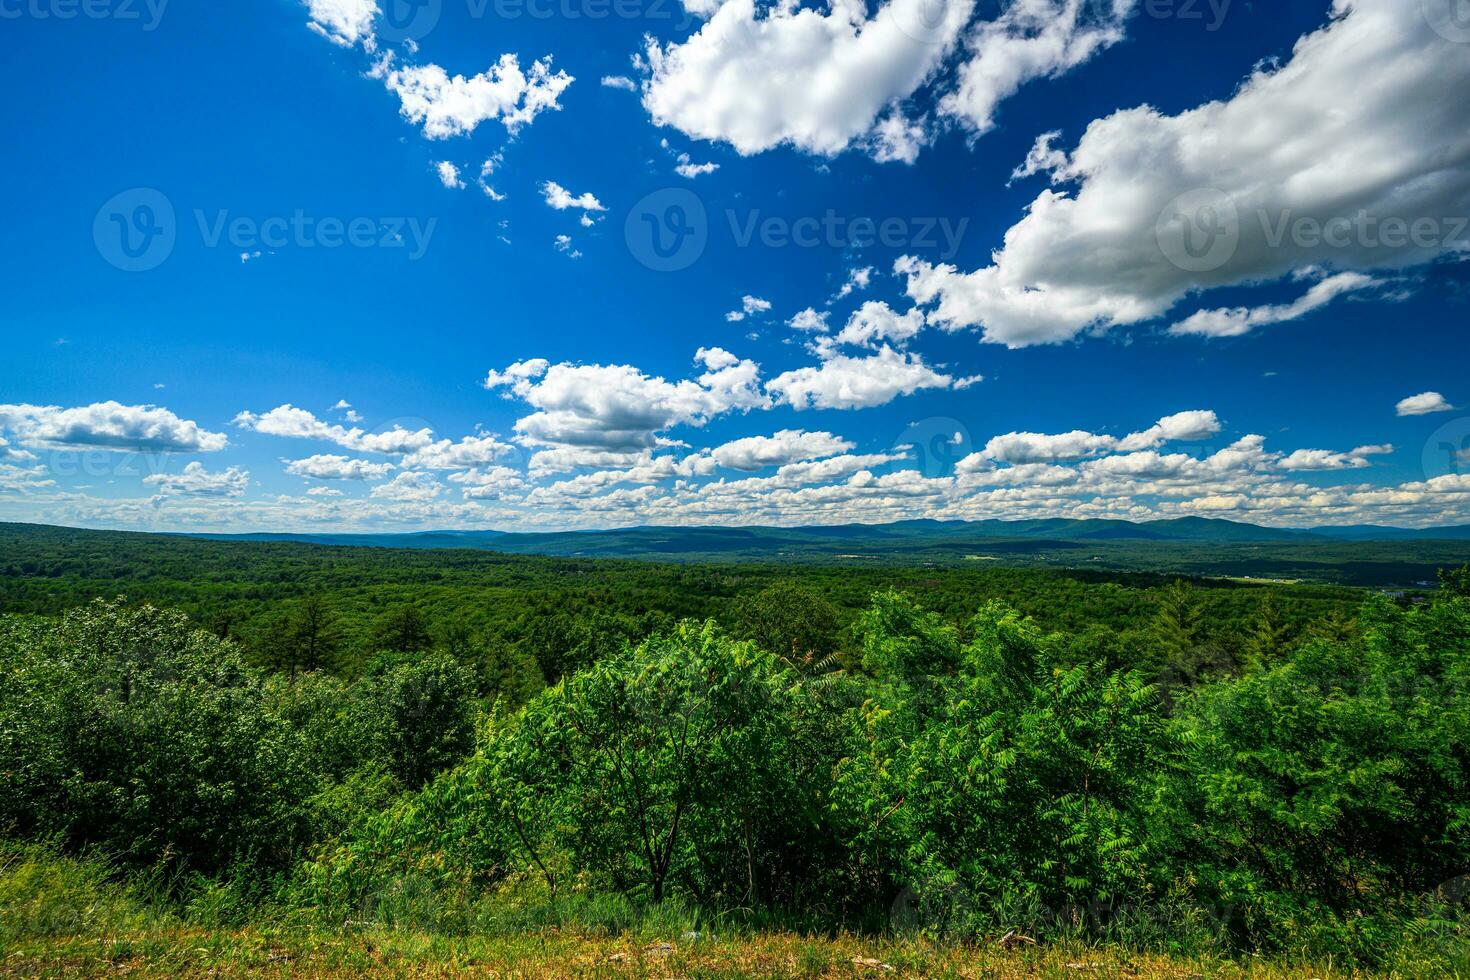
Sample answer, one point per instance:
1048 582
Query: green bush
131 731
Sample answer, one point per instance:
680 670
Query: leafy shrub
129 730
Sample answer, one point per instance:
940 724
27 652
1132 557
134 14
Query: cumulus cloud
856 382
857 279
876 322
1030 39
1323 460
449 175
444 105
1166 206
809 321
298 423
749 306
1424 404
823 80
1020 448
619 82
196 481
1242 320
108 425
688 169
786 446
23 479
618 408
328 467
490 483
9 453
561 199
760 76
409 487
343 22
471 451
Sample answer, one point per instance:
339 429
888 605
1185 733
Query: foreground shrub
129 731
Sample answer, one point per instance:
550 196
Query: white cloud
857 279
326 467
856 382
1307 178
563 244
618 408
786 446
1424 404
324 492
409 487
486 170
749 306
1242 320
297 423
1021 448
619 82
1030 39
446 105
688 169
343 22
108 425
876 321
760 77
10 453
1322 460
23 479
1192 426
471 451
809 321
449 175
1035 447
490 483
561 199
196 481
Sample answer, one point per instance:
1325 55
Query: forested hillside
459 744
314 607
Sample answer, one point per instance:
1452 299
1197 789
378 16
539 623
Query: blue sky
196 344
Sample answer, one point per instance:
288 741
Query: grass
263 952
61 916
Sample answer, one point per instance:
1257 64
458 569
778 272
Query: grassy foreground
63 916
257 952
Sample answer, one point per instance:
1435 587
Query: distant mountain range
866 540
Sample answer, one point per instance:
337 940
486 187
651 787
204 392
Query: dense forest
467 743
